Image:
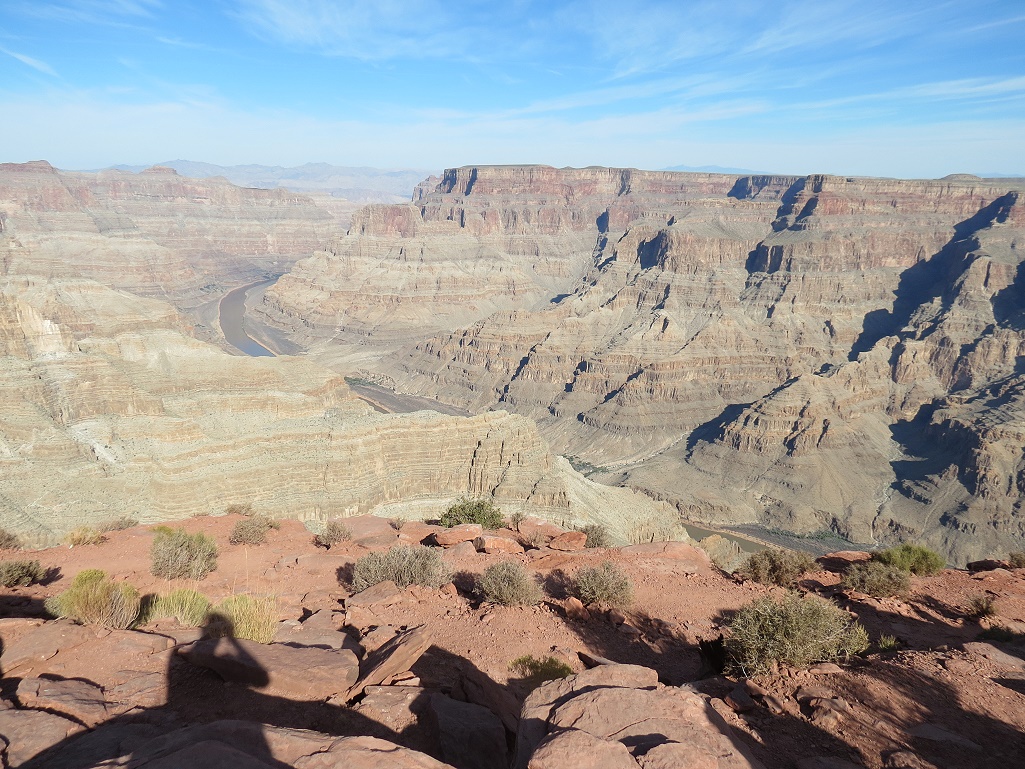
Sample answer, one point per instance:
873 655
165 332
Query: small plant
252 530
84 535
597 535
334 532
1015 560
888 643
914 559
796 631
9 541
20 573
536 671
246 617
189 607
877 579
777 567
606 586
980 606
509 583
246 509
95 599
117 524
1000 633
403 565
516 519
482 511
176 554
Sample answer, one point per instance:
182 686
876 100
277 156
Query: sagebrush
117 524
795 630
334 532
94 599
535 671
1016 560
606 585
176 554
980 606
252 530
84 535
914 559
403 565
777 567
877 579
482 511
597 535
20 573
510 583
9 541
253 618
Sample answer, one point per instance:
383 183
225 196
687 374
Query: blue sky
836 86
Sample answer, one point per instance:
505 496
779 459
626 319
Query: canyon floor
942 699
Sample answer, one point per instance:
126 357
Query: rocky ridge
674 329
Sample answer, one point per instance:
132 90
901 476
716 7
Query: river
231 313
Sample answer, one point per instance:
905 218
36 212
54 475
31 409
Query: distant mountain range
358 183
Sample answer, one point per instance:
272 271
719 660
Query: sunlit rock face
802 352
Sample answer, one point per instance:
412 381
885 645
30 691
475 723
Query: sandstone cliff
724 342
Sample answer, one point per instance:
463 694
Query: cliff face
754 349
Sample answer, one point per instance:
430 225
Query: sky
855 87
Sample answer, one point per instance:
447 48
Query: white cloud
90 11
36 64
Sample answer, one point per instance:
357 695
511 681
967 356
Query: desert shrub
606 585
1001 633
482 511
244 616
84 535
877 579
510 584
516 519
176 554
189 607
980 606
246 509
913 559
536 671
9 541
1016 560
334 532
20 573
777 567
117 524
888 643
597 535
794 631
403 565
252 530
95 599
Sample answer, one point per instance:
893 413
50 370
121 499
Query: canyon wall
805 353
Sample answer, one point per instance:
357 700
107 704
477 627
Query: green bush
84 535
177 554
606 585
244 616
777 567
509 583
334 532
117 524
95 599
1016 560
913 559
189 607
403 565
536 671
482 511
9 541
252 531
877 579
20 573
597 535
794 631
888 643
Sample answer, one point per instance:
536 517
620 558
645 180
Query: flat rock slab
396 707
30 732
296 672
936 733
568 541
470 736
145 689
464 532
382 594
574 749
491 544
396 656
44 642
368 753
536 529
692 559
997 656
78 700
371 531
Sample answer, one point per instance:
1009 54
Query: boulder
459 552
30 732
368 753
464 532
490 544
371 531
470 736
690 559
382 594
574 749
396 656
44 642
295 672
568 541
534 529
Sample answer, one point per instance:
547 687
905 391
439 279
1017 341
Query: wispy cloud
90 11
36 64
